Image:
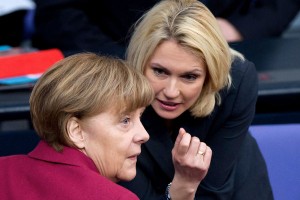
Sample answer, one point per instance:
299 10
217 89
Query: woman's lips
134 157
169 106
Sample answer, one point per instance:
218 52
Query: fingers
201 149
207 156
186 145
182 142
179 137
191 159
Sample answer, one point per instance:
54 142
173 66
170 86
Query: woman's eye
158 71
125 120
190 77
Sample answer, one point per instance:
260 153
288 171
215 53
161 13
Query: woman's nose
142 135
171 90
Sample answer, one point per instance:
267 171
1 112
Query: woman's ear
75 132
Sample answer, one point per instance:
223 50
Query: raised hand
191 159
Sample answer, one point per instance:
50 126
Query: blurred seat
280 145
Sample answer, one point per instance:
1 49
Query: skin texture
177 77
113 141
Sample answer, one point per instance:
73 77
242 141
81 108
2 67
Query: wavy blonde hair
192 26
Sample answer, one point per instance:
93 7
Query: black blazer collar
160 143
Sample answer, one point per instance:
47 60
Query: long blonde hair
193 26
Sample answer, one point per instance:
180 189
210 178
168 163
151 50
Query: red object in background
28 63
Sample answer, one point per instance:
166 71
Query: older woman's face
177 77
113 142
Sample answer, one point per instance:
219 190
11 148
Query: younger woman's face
177 77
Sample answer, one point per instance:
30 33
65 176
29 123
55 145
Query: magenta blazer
47 174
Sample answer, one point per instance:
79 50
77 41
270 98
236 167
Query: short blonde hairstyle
81 86
194 27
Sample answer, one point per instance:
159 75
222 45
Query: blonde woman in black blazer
202 88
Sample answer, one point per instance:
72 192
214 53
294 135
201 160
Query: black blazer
238 170
103 26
